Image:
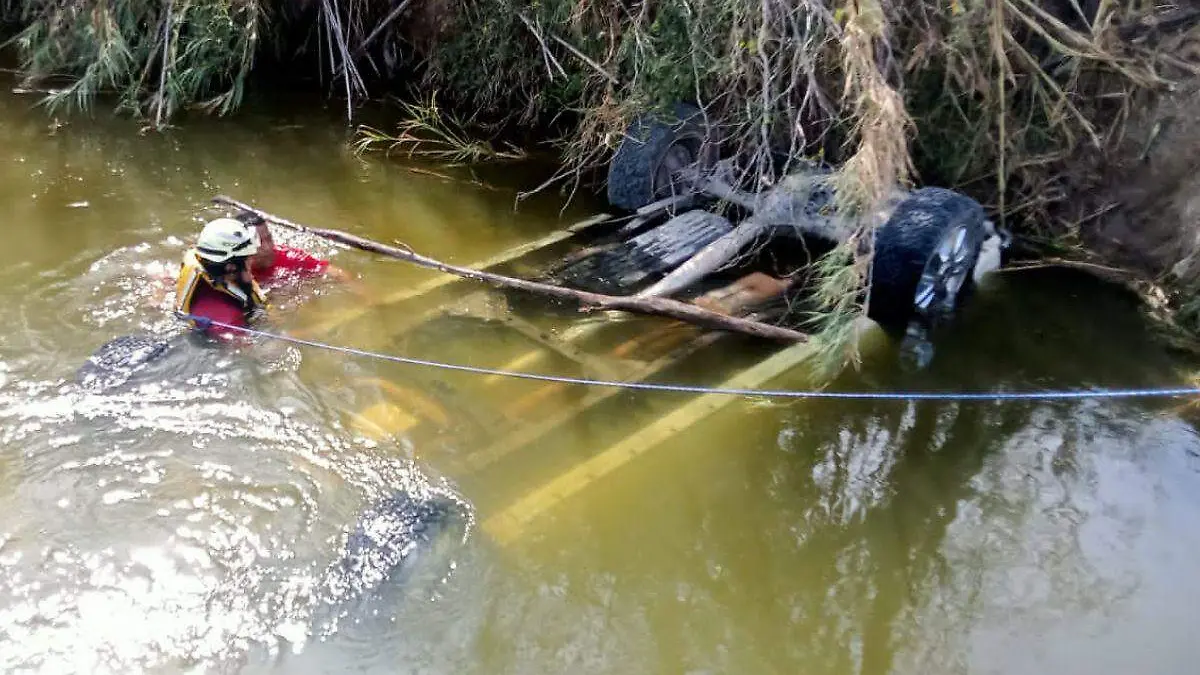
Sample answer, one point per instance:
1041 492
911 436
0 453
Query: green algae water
180 527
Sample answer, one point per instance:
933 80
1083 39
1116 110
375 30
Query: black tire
118 359
633 174
905 244
394 539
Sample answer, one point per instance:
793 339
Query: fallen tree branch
674 309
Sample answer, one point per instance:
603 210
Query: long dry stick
335 25
571 48
674 309
547 57
586 59
997 39
362 46
166 66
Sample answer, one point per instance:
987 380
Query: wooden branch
587 301
362 47
166 66
334 22
586 59
547 57
571 48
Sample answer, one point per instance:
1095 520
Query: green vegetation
426 131
998 98
155 57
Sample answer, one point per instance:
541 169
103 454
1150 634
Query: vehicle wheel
402 545
652 150
117 360
924 257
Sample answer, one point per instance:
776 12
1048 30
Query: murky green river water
179 526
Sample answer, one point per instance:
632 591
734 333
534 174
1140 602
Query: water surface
179 525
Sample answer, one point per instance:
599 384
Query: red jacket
291 263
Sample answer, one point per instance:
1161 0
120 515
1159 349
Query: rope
1043 395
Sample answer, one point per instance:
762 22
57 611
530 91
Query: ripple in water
208 523
178 525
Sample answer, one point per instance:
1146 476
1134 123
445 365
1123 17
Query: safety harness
192 275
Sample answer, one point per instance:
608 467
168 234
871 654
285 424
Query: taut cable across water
1043 395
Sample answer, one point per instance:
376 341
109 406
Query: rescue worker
216 280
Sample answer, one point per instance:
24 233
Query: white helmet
226 238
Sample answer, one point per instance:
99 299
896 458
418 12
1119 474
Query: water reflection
879 537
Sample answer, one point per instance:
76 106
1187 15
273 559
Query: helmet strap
215 270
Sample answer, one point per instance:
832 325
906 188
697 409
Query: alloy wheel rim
945 273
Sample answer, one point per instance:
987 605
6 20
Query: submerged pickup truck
693 217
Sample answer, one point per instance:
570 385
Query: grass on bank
426 131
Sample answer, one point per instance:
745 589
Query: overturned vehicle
692 220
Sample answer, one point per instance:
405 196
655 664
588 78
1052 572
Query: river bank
1070 122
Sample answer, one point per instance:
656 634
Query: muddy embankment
1138 206
1072 121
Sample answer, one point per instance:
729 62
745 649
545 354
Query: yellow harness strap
192 275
